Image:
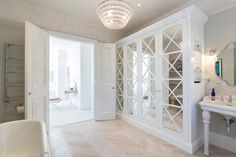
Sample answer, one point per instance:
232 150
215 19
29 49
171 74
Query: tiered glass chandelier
115 14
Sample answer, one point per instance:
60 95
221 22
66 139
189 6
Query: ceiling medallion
115 14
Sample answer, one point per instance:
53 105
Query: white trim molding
225 142
188 147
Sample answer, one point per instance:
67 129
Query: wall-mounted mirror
225 66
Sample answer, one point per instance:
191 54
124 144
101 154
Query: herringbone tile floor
115 139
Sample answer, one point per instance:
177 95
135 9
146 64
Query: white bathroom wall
74 63
78 57
219 31
64 66
12 33
86 76
62 84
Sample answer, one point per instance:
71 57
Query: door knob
113 87
29 93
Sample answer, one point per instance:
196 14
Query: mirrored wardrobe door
132 79
120 79
172 81
148 87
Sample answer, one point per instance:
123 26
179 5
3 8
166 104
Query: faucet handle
230 98
221 98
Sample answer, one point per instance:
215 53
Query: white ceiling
147 13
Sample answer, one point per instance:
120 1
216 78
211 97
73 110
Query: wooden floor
115 139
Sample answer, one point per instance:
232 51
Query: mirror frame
219 61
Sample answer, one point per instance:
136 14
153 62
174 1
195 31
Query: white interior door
104 103
36 73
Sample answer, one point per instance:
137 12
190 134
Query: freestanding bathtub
24 138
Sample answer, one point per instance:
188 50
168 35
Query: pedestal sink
225 108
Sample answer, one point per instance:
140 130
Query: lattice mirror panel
172 79
131 63
148 79
119 79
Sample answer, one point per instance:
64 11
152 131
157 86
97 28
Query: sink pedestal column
206 121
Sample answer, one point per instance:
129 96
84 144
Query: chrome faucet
230 100
221 98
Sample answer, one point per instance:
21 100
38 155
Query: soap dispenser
213 94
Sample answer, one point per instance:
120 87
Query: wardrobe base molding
188 147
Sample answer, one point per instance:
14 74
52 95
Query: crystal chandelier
114 14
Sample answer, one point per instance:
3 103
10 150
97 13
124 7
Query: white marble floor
115 139
64 113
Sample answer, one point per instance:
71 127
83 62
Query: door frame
78 39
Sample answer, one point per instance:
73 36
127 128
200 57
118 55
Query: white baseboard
197 144
218 140
162 135
225 142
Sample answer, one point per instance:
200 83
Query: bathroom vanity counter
222 107
225 108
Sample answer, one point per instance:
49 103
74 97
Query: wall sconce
212 52
197 47
212 55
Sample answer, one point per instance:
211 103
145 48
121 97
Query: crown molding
212 7
191 2
222 10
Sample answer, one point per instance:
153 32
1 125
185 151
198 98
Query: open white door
36 73
104 101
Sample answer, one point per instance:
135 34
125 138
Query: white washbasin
223 107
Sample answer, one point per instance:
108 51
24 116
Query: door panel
132 79
38 108
149 76
154 71
120 79
104 103
172 81
36 73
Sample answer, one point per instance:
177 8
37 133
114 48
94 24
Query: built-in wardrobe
159 78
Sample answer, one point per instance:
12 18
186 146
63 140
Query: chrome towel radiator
14 72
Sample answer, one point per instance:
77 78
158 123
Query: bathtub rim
43 132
